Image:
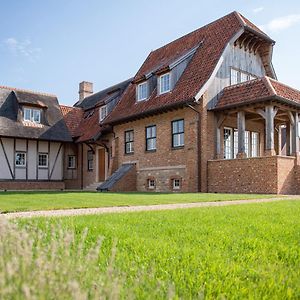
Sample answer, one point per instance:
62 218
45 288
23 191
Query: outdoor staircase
92 186
108 184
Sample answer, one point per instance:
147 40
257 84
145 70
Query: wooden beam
241 134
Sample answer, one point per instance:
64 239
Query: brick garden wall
32 185
127 183
265 175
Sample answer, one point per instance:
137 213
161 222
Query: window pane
234 78
43 160
27 114
228 143
20 159
235 142
36 116
255 144
164 83
142 91
244 77
151 144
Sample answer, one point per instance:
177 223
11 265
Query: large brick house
204 113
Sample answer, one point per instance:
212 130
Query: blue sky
52 45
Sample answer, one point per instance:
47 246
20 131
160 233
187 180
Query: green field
236 252
26 201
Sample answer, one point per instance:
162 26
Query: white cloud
258 9
281 23
22 48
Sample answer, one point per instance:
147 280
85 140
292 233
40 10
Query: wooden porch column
288 139
219 121
269 114
295 135
241 134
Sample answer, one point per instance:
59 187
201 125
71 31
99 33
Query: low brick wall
127 183
262 175
32 185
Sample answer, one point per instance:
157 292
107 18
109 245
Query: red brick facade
32 185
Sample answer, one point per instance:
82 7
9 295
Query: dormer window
142 91
102 112
164 83
32 115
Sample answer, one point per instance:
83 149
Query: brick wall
32 185
165 162
265 175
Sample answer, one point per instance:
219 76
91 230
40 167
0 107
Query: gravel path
124 209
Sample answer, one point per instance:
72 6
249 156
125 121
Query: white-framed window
176 184
71 161
228 143
234 77
90 160
151 184
20 159
142 91
255 144
231 143
164 83
177 133
43 160
151 138
102 112
238 76
32 115
129 142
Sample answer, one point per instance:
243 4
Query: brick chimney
85 89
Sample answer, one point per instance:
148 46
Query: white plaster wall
4 169
32 159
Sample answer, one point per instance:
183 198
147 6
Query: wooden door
101 164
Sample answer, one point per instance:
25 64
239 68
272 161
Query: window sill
42 167
177 148
71 168
131 153
150 151
20 167
91 170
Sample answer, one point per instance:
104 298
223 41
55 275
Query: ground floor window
43 160
71 162
90 160
20 159
151 184
231 143
176 184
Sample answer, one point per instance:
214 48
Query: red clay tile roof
257 90
212 38
72 117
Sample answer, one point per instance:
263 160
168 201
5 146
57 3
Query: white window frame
73 165
234 76
151 184
25 159
31 112
102 112
140 91
90 160
228 144
162 88
47 161
175 185
129 142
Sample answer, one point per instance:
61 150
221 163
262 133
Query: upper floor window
102 112
129 140
164 83
238 76
142 91
151 138
178 133
32 115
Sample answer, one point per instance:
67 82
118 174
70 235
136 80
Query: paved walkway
124 209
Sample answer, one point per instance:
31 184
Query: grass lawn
235 252
26 201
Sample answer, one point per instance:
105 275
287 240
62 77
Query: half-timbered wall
9 171
237 58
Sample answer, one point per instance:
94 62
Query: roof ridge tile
26 91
